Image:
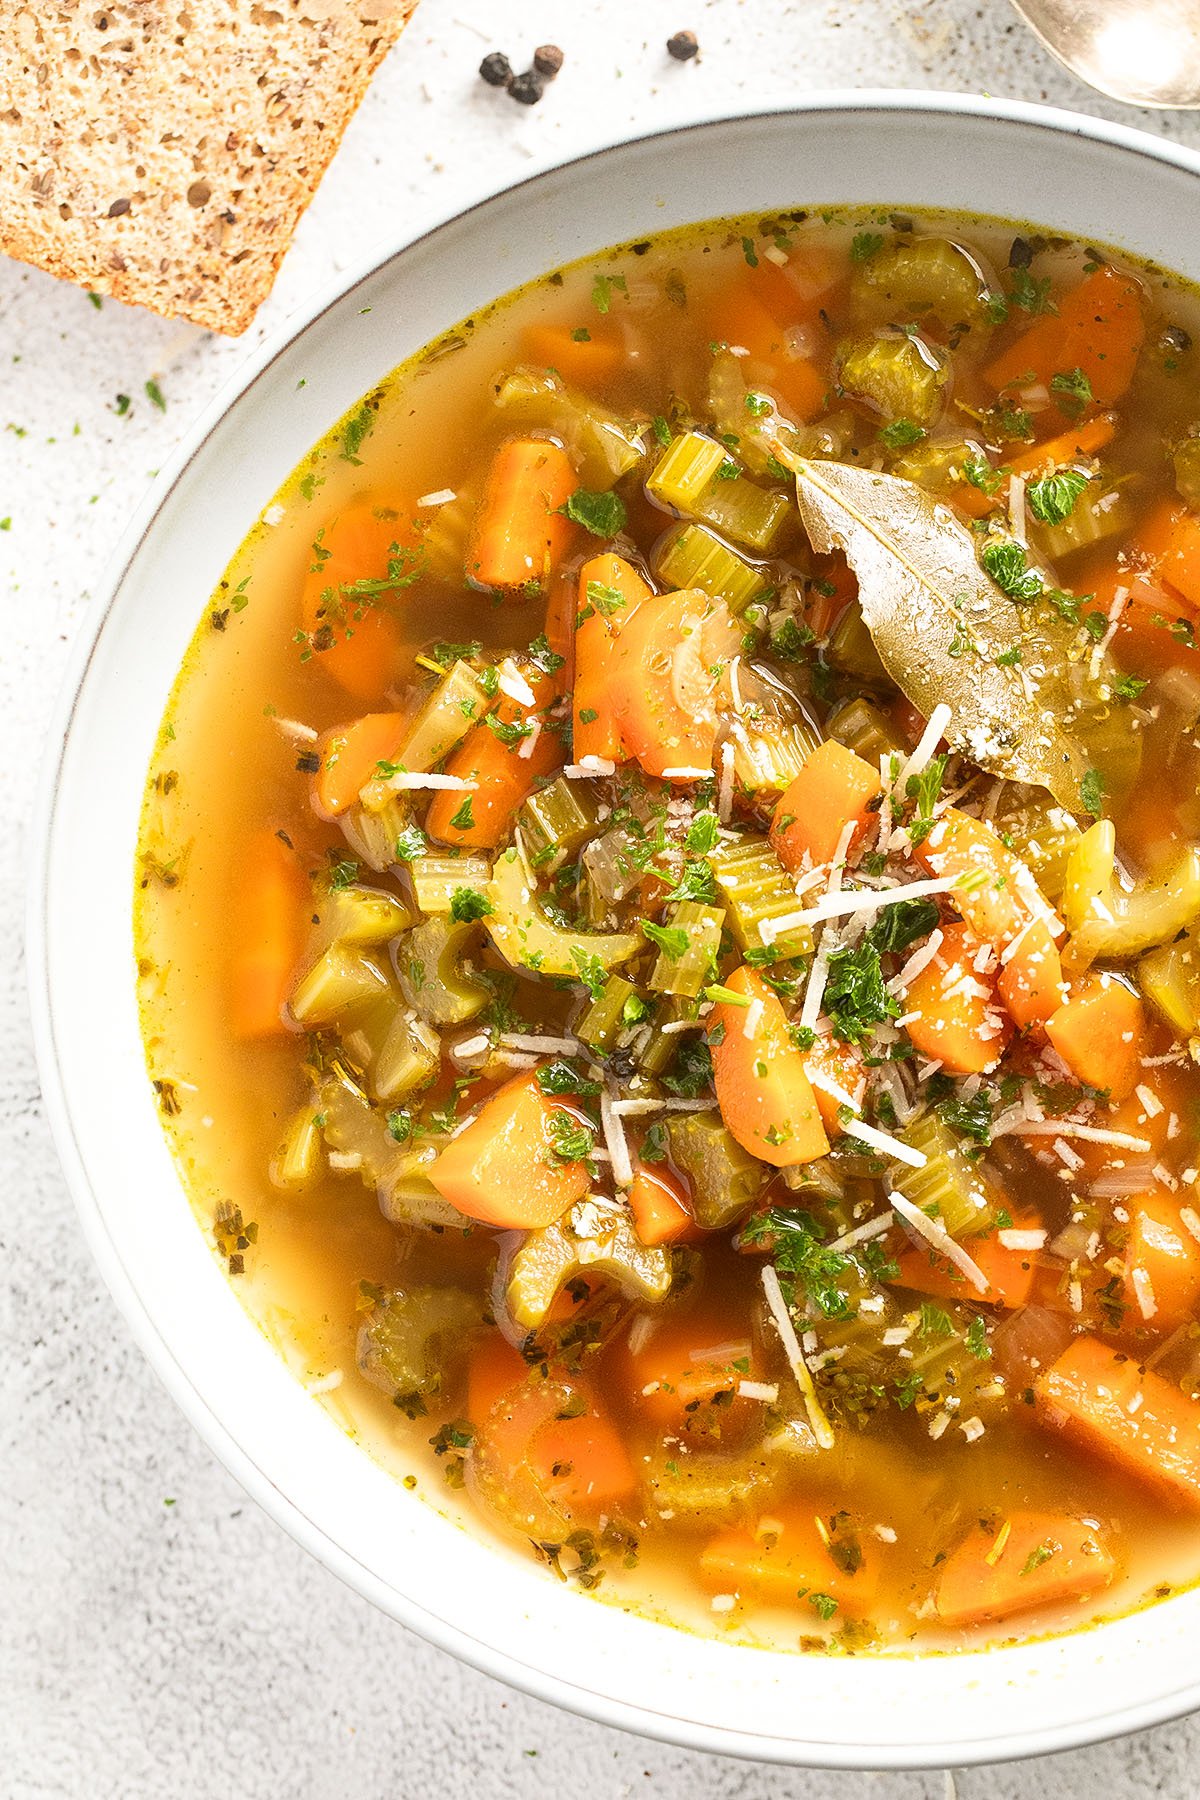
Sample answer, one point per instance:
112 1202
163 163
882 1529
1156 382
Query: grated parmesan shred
614 1138
936 1235
821 1428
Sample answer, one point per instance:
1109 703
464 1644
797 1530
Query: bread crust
163 152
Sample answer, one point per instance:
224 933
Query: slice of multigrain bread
163 150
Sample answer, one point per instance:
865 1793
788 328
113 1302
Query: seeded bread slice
162 150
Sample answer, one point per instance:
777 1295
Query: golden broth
224 769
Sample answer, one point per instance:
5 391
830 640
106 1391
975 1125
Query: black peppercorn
548 60
527 88
682 46
496 69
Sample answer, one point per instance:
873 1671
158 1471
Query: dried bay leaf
946 633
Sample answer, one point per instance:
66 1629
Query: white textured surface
190 1649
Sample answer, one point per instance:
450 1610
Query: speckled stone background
159 1636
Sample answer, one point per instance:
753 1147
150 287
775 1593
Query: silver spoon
1145 52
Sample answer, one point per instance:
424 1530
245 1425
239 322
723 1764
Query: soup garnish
666 908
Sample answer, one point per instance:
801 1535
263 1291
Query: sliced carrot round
763 1090
504 1168
666 677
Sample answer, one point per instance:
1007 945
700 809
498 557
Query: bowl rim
488 1658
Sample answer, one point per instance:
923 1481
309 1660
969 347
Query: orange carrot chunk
763 1090
1162 1262
838 1062
350 758
356 638
669 659
951 1007
1031 981
1010 1274
504 1169
610 591
1097 329
659 1206
520 534
994 890
578 1464
1127 1415
1082 440
480 818
268 908
682 1368
790 1561
834 788
586 357
1101 1034
1170 536
1025 1560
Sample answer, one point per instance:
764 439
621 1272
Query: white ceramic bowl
498 1611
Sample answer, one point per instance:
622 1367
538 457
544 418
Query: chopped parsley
693 1071
702 833
1074 391
1052 497
865 245
901 925
509 731
855 995
672 940
1091 793
558 1077
570 1139
592 972
923 790
654 1144
970 1118
411 844
468 904
1006 563
801 1256
464 818
604 599
900 433
602 513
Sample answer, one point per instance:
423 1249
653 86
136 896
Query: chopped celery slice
948 1187
436 876
710 1490
340 983
1186 460
605 1019
298 1160
557 820
527 939
724 1179
1114 922
686 480
685 471
430 966
690 557
899 375
864 728
456 703
1170 979
372 833
772 736
926 275
605 447
595 1238
358 915
658 1048
413 1341
688 973
750 515
409 1058
851 649
1103 510
354 1129
1043 835
755 888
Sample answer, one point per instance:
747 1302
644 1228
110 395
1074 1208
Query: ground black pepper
682 46
496 69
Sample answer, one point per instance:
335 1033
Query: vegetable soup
665 916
